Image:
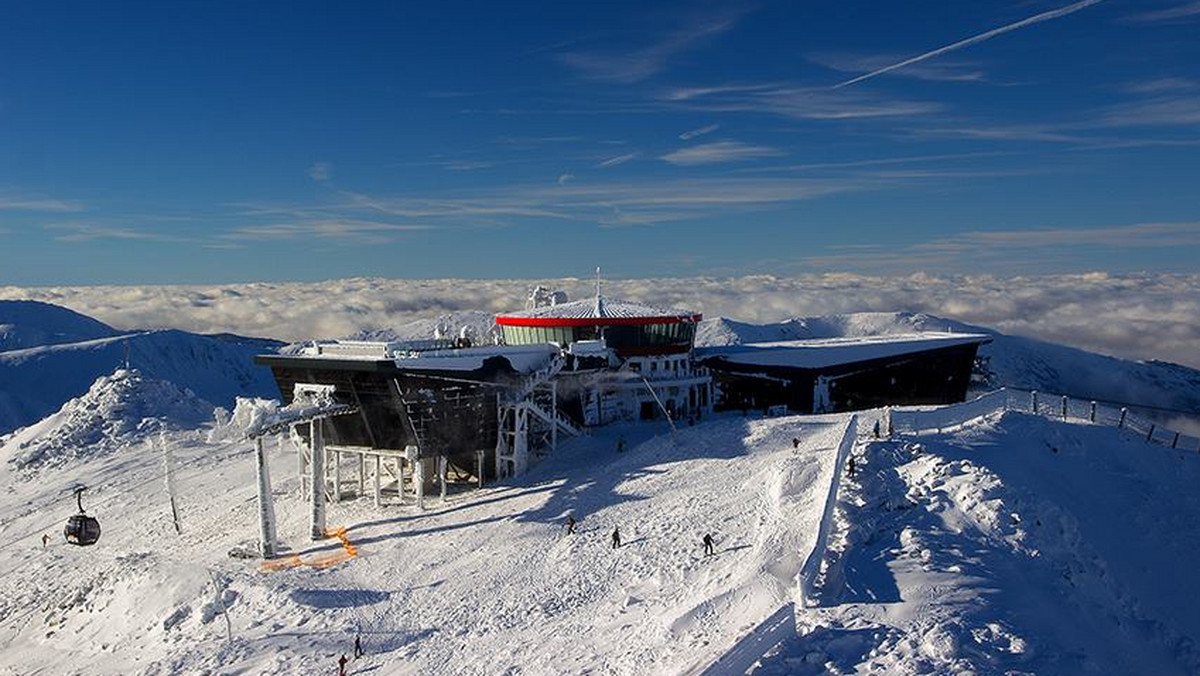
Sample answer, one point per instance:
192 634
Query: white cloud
1161 85
320 171
565 178
938 71
1164 111
87 232
1178 12
351 230
718 152
793 101
629 65
689 135
24 203
1143 316
617 160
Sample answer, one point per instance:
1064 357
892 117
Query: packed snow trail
488 583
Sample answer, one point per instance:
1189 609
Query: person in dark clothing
850 467
876 430
616 537
708 544
358 649
570 524
795 443
45 540
342 666
621 444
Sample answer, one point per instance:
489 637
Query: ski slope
487 583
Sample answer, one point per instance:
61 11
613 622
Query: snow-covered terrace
826 352
522 358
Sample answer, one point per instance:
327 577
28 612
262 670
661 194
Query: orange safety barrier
348 552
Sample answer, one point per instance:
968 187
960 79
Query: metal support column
317 487
479 455
378 469
442 463
337 476
362 475
266 510
418 479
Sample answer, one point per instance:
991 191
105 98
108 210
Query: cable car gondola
81 529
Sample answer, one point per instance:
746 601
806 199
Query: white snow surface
1011 545
1014 545
822 352
486 583
118 411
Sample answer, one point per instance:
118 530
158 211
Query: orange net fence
348 552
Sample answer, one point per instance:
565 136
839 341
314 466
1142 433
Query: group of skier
358 652
708 543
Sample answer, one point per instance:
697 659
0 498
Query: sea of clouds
1136 316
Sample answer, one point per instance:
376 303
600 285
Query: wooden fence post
1150 434
1121 422
1064 402
1093 414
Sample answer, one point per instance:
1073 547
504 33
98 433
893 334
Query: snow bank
118 411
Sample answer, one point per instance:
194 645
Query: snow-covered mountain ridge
36 379
118 411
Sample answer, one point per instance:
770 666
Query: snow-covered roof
523 358
599 308
813 354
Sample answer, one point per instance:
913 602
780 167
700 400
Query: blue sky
211 142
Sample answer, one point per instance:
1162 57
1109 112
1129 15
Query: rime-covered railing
811 570
1052 406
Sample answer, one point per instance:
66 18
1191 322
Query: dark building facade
843 375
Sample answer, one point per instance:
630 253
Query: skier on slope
850 467
358 649
342 665
570 524
616 537
795 443
708 545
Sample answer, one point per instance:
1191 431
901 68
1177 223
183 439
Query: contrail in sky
1038 18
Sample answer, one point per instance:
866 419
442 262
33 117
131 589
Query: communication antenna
599 299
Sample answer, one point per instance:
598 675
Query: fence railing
811 570
1052 406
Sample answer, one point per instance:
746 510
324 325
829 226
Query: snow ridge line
807 578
